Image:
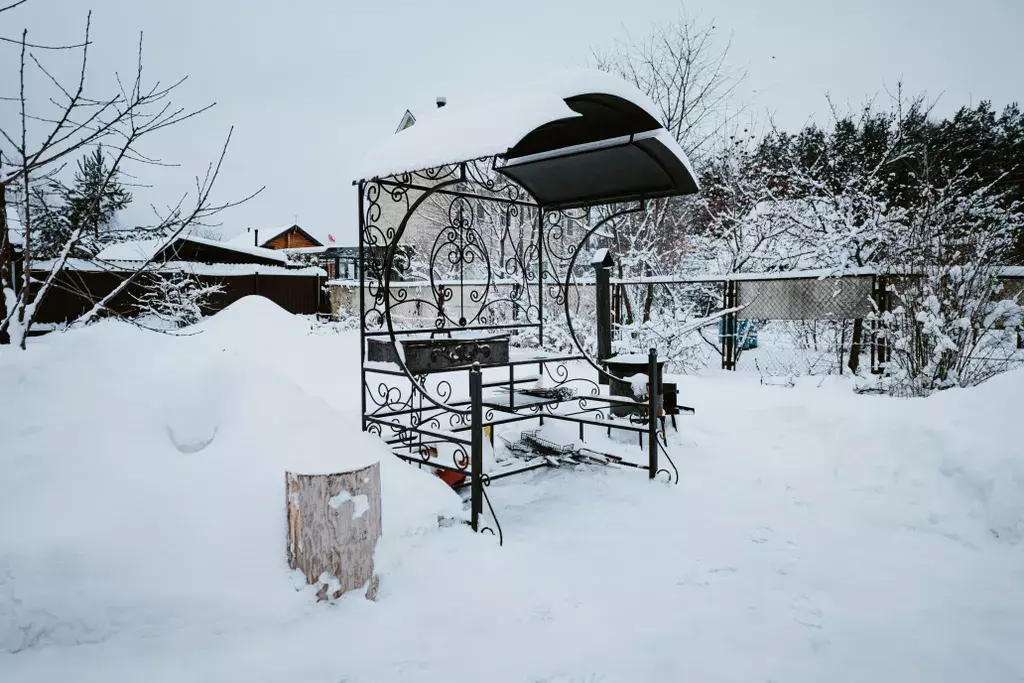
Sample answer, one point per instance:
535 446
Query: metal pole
723 337
652 398
362 309
540 275
604 315
879 355
874 327
476 460
729 328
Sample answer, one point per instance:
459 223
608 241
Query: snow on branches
174 300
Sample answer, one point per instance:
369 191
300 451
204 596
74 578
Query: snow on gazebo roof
537 129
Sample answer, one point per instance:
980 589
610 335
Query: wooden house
291 237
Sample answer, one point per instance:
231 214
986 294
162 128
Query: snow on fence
792 323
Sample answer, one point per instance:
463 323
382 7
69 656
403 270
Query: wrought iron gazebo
487 210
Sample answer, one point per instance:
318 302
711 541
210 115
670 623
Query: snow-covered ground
815 534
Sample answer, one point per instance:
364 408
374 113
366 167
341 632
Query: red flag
331 237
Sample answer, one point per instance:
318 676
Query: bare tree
684 69
53 126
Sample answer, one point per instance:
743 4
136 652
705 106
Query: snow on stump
333 527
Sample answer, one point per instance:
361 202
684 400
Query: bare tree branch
13 5
179 224
117 122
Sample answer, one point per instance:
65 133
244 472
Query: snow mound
982 448
146 475
253 319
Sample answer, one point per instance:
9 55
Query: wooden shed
241 270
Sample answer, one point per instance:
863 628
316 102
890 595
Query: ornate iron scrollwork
454 249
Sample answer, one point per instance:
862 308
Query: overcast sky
311 85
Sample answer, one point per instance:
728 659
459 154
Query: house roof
217 269
213 250
407 120
248 236
139 250
343 252
580 137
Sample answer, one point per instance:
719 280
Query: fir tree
97 194
90 203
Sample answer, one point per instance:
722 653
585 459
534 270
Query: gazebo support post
362 305
602 273
540 279
652 426
476 458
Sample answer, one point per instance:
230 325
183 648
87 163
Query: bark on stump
333 527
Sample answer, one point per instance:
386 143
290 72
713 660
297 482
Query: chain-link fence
784 325
779 325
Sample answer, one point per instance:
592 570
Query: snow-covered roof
600 256
255 251
248 237
143 250
305 250
139 250
491 125
212 269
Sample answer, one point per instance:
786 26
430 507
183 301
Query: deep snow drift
146 475
815 534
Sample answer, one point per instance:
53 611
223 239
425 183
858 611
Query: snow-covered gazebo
490 203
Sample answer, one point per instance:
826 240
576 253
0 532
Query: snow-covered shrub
342 322
950 330
952 322
794 348
557 337
662 317
174 300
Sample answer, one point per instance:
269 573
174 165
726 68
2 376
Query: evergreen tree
906 153
95 197
90 203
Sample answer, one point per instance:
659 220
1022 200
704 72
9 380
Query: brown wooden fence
76 290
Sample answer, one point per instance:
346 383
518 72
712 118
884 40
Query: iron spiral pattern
448 248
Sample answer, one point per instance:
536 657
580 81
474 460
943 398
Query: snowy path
802 544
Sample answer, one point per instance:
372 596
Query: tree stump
333 527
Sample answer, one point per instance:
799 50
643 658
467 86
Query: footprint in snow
806 612
191 443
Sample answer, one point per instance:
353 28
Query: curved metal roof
581 138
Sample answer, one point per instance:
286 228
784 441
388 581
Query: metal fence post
476 459
652 427
729 326
881 341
